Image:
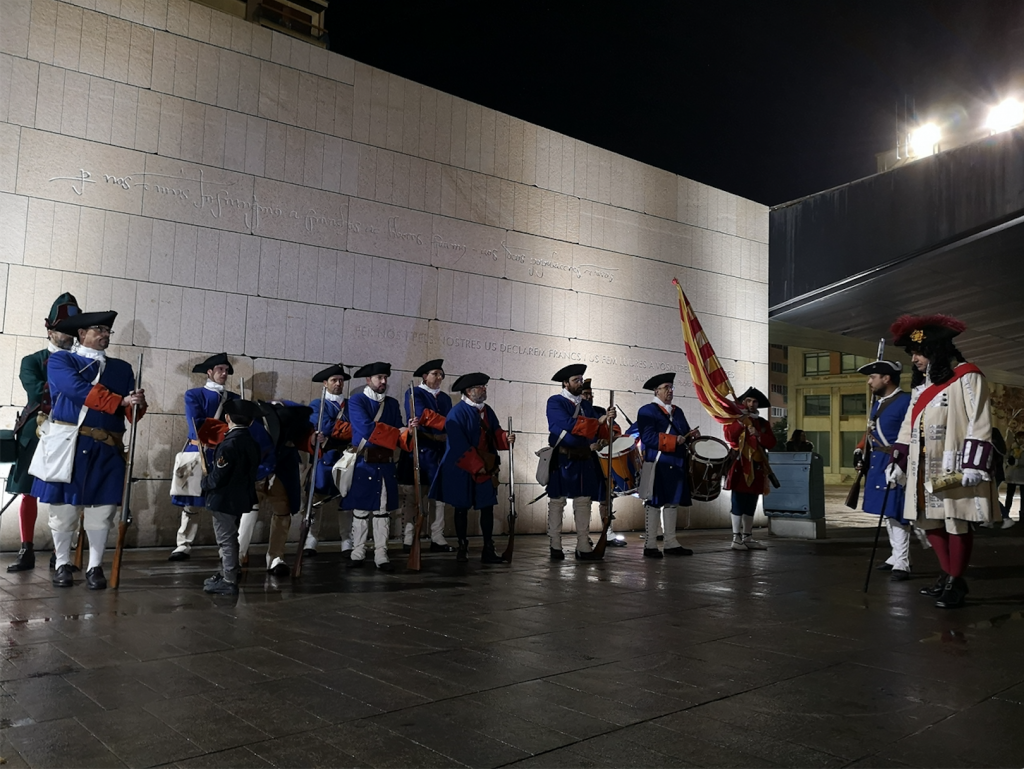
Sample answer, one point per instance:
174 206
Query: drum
709 461
626 463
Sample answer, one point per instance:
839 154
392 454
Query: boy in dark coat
230 490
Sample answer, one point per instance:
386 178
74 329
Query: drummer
665 435
614 540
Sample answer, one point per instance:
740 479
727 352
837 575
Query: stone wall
224 187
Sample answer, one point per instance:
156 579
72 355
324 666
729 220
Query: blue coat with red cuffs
662 437
200 404
98 475
431 410
462 480
371 478
574 477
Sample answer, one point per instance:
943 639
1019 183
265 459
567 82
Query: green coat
33 379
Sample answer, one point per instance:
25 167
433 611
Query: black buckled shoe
462 555
309 552
652 552
557 555
899 575
385 566
445 548
590 556
954 595
934 591
95 578
63 577
26 559
617 541
179 555
489 556
678 551
884 567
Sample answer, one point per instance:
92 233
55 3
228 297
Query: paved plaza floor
725 658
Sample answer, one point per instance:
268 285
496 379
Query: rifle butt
80 547
303 533
414 563
853 496
511 546
115 567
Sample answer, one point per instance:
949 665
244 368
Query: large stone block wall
224 187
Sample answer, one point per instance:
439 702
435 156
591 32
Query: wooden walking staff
413 564
310 515
126 493
602 543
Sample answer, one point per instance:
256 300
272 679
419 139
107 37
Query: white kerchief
574 398
423 386
211 385
88 352
477 406
334 398
52 347
664 406
369 393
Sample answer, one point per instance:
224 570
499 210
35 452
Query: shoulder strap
376 418
929 393
575 414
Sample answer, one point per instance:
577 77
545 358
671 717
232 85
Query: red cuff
501 440
212 432
586 427
405 440
342 431
433 420
471 462
385 436
667 443
101 399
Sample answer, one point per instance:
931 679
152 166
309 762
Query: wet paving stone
761 659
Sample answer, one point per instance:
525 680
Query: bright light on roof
924 140
1005 116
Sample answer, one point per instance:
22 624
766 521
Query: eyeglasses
101 330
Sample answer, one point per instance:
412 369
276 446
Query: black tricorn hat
286 422
63 306
760 397
881 367
373 369
429 366
220 359
73 323
466 381
244 408
658 380
567 373
338 369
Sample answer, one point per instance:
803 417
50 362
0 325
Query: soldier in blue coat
98 393
432 407
468 474
334 433
573 428
201 403
665 435
887 413
378 433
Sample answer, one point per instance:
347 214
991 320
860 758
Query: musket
241 387
202 449
126 493
413 564
853 497
76 562
310 516
602 543
512 514
878 530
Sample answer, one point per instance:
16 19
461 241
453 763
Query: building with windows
828 400
778 382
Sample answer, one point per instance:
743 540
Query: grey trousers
225 527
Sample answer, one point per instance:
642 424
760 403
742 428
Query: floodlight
924 140
1006 115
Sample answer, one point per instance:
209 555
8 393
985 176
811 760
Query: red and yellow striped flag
714 390
709 378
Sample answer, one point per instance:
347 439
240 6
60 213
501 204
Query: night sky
769 100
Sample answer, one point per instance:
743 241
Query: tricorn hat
914 330
243 408
72 323
338 369
63 306
760 397
373 369
466 381
567 373
658 380
429 366
881 367
220 359
287 421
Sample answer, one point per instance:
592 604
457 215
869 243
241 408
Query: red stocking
960 546
27 517
939 539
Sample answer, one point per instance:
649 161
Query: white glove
972 478
894 475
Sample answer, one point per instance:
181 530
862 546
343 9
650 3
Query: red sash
932 390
